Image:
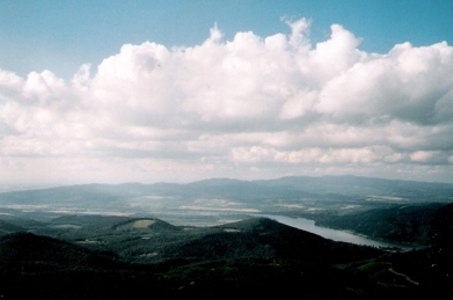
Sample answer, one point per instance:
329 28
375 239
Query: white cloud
277 105
404 84
424 156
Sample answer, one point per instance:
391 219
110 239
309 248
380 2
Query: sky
150 91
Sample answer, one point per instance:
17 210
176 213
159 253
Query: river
328 233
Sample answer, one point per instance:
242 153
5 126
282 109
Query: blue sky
104 91
61 36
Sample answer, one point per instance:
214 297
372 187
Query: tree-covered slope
427 224
251 258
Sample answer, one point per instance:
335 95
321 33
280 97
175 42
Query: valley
228 237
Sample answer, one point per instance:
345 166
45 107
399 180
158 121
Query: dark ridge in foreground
48 253
249 258
126 258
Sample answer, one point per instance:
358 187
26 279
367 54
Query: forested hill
116 258
130 257
422 224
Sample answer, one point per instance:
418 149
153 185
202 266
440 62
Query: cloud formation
247 108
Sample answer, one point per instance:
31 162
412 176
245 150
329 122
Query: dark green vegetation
96 257
421 224
99 241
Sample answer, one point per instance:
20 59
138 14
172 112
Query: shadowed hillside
120 258
428 224
109 242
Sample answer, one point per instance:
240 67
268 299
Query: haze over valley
328 200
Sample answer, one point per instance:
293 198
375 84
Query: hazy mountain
287 186
285 195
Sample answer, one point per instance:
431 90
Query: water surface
328 233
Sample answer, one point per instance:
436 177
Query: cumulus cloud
245 107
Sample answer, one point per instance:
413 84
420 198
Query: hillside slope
423 224
250 258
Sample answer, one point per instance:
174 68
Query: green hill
251 258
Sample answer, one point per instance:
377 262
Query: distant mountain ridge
292 196
324 199
297 183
